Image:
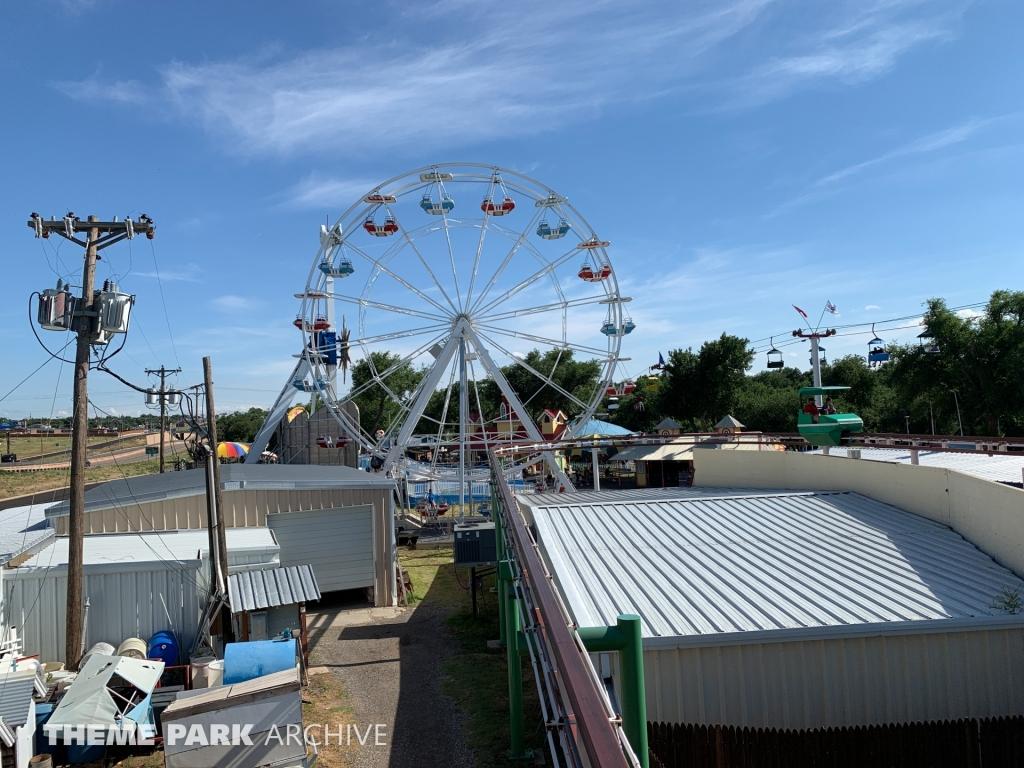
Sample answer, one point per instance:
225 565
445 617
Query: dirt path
390 662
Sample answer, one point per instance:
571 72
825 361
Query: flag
661 361
830 307
800 311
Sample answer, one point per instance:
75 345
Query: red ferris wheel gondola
492 208
389 227
591 275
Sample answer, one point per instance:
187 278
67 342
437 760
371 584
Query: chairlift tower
95 317
815 337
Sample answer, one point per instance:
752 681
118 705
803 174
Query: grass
30 447
323 701
21 483
476 677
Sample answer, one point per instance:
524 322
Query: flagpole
820 318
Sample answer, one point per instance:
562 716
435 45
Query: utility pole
211 430
99 235
163 405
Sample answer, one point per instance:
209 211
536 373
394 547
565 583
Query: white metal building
790 609
338 519
135 584
1001 468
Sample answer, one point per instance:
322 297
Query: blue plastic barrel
163 646
247 661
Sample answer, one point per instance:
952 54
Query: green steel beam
515 681
625 637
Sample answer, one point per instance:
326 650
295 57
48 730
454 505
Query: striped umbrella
232 450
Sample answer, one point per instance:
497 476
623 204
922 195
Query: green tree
979 357
577 377
240 427
377 407
703 387
768 400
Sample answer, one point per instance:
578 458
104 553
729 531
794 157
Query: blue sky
740 156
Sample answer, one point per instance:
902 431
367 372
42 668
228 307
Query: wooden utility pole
163 405
211 429
99 235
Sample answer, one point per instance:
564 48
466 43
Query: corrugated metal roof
192 482
150 546
1001 469
702 565
23 529
271 587
614 496
15 696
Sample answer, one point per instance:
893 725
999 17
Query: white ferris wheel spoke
509 314
603 354
379 265
361 302
548 380
451 252
520 240
368 340
405 234
356 391
545 270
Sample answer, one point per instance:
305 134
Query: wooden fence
985 743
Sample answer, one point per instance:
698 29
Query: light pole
908 424
958 419
931 415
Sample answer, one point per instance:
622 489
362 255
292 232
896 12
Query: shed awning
655 453
271 587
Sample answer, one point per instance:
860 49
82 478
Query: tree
239 427
377 408
577 377
979 357
703 387
768 400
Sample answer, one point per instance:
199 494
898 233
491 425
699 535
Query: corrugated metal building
343 518
780 609
999 468
136 584
267 601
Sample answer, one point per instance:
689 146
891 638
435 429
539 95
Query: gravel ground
389 661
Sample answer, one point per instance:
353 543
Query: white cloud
872 306
527 68
95 89
232 303
316 191
191 274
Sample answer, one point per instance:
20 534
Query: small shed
266 707
265 603
730 425
668 427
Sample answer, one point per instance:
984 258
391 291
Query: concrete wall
839 682
988 514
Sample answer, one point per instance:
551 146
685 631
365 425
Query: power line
160 285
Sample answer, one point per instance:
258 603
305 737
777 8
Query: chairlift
877 353
774 356
927 345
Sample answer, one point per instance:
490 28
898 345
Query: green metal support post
515 680
625 637
501 580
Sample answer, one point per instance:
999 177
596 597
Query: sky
741 156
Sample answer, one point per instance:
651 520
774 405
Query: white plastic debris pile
255 723
108 691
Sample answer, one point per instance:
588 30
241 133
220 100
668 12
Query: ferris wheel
460 293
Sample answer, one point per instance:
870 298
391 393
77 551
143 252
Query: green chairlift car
830 428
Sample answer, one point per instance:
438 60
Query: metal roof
703 570
613 496
234 477
23 529
15 696
271 587
154 546
1000 468
669 423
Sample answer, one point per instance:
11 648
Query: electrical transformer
57 308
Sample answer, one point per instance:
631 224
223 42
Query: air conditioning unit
475 545
853 453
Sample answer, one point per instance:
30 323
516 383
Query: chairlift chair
927 345
877 353
774 356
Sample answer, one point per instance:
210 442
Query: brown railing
597 735
959 744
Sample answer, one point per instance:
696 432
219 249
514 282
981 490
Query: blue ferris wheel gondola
548 232
446 204
344 268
